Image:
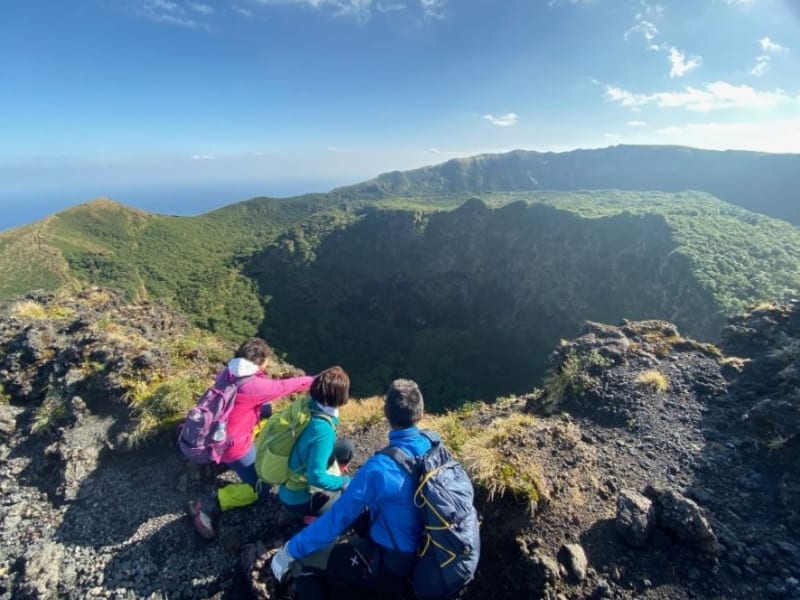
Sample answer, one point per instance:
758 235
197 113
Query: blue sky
275 97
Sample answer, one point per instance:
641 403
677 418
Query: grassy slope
740 256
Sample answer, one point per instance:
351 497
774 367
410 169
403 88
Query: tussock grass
160 404
451 427
496 463
362 413
30 309
653 379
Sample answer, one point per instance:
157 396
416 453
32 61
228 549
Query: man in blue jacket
379 497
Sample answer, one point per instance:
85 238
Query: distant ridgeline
467 295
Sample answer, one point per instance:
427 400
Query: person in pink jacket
252 404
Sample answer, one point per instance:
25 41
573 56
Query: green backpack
276 440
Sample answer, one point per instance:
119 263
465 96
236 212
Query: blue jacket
310 454
384 488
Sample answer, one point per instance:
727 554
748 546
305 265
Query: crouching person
317 459
381 496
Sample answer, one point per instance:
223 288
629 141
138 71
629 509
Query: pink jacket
252 395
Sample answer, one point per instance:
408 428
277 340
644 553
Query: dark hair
404 404
331 387
255 350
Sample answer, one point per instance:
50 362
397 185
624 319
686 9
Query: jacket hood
241 367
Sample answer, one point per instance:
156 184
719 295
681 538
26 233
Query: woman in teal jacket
315 451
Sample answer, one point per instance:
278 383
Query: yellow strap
419 494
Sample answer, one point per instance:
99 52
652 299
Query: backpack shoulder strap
434 438
239 382
401 457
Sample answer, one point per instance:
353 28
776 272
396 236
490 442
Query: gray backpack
448 553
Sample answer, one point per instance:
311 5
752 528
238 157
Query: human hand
281 563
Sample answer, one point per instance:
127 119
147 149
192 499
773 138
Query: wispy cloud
761 66
637 123
649 11
768 49
768 45
680 65
646 29
362 10
245 12
203 9
506 120
203 157
719 95
167 12
433 9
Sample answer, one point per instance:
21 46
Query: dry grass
499 463
366 412
736 362
653 379
30 309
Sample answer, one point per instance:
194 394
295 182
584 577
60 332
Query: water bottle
220 433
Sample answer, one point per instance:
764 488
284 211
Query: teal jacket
310 455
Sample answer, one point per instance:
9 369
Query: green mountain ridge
466 292
757 181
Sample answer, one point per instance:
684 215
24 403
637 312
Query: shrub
50 413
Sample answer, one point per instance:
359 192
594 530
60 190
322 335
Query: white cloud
335 149
768 45
679 65
775 135
203 157
739 2
718 95
203 9
649 11
433 9
761 66
165 11
362 10
637 123
246 12
645 28
388 7
506 120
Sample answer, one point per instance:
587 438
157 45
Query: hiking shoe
203 513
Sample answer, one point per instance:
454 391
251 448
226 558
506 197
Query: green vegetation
51 412
576 375
417 285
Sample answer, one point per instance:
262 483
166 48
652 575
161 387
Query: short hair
331 387
404 404
255 350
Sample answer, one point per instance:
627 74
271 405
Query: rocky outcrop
766 341
629 408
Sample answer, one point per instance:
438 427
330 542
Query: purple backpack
203 437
